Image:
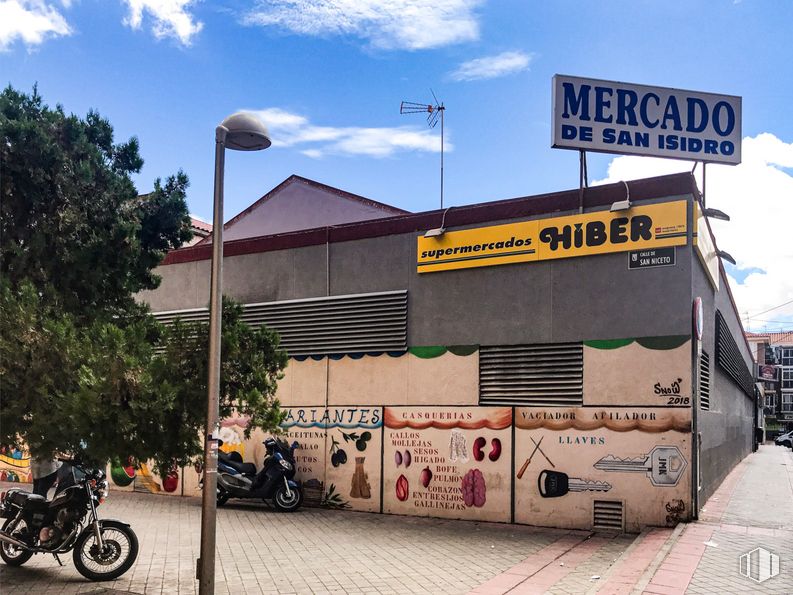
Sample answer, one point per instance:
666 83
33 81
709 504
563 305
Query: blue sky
329 76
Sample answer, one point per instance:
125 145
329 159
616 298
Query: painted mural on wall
339 456
131 475
386 378
15 464
646 371
451 462
566 458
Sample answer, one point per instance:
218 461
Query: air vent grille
318 326
729 358
532 375
704 381
608 515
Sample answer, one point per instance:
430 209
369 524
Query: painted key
553 484
663 465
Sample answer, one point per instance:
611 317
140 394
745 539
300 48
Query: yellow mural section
634 459
15 464
637 375
450 462
405 435
338 461
650 226
382 379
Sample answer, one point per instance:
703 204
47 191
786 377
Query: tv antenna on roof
435 111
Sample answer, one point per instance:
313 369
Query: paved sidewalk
311 551
322 551
753 508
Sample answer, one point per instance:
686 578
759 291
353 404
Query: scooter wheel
286 502
223 496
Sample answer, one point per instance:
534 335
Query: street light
240 132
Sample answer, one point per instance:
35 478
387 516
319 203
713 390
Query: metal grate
357 323
704 381
608 515
532 375
729 358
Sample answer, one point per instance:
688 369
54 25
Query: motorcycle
275 482
102 549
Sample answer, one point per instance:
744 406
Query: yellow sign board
650 226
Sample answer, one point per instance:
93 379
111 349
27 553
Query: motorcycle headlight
286 464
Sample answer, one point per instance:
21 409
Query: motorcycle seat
244 468
21 497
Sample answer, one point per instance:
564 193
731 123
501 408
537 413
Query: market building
572 359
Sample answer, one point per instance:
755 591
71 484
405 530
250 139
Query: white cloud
758 196
171 18
32 21
491 67
392 24
288 129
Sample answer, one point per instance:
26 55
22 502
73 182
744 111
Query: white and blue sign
612 117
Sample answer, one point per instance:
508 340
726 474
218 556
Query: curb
649 572
626 554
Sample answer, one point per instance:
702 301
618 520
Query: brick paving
322 551
311 551
752 508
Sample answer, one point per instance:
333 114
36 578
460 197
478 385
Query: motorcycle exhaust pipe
15 542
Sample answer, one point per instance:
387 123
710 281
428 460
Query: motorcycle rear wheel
285 502
11 554
119 554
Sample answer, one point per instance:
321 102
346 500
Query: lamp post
240 132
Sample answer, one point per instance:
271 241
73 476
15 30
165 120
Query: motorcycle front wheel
286 502
11 554
114 559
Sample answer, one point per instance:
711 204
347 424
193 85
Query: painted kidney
426 477
402 488
398 458
479 444
495 451
473 488
407 459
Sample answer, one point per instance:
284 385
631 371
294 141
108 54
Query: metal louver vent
532 375
324 325
608 515
704 381
729 359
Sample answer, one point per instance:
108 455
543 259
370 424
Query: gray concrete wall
726 429
593 297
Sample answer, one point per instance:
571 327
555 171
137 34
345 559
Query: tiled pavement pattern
318 551
753 508
312 551
566 566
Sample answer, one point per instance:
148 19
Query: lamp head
434 233
726 256
244 132
621 205
625 204
716 214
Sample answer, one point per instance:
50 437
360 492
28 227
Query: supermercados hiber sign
602 232
613 117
